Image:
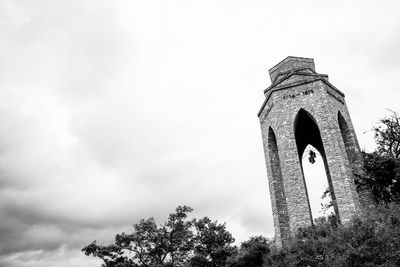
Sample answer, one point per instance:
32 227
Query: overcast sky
113 111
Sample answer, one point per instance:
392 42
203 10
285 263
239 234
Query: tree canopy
149 244
387 136
382 167
177 242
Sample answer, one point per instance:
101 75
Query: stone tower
302 107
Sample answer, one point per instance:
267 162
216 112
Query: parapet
289 64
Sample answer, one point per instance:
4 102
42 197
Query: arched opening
277 184
316 176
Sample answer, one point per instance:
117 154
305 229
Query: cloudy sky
113 111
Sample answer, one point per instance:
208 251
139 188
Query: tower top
290 64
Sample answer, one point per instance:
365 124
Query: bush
373 240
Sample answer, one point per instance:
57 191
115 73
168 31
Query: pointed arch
306 133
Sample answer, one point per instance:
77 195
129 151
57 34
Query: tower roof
291 72
290 64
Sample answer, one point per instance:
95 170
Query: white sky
316 182
113 111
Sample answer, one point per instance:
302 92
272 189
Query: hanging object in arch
311 156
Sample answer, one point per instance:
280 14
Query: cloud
46 258
115 111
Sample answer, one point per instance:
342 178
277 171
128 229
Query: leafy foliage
369 241
149 244
382 167
387 136
213 242
177 242
252 253
382 177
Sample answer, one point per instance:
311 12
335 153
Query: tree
180 235
382 177
149 244
387 136
213 243
177 242
382 167
252 253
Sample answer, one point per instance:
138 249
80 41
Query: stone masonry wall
315 95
